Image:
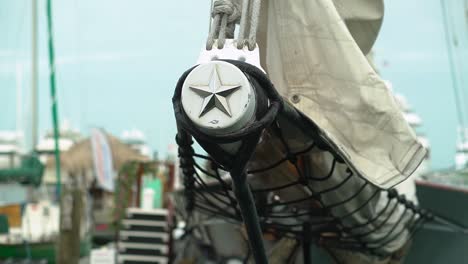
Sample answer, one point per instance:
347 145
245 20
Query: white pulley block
231 52
218 98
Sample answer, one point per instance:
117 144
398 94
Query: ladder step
161 235
155 211
148 217
130 222
142 252
134 259
164 248
144 237
144 225
157 241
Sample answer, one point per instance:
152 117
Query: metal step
134 259
161 235
142 252
154 211
144 237
143 249
164 248
145 214
149 217
143 222
144 225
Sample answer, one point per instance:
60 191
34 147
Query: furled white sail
312 58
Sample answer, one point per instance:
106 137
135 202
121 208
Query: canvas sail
314 53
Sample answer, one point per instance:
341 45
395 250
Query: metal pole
249 215
53 97
306 244
19 102
34 97
72 209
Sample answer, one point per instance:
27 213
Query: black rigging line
453 69
367 201
459 61
371 220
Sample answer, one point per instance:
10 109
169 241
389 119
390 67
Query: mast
458 94
34 99
53 97
19 100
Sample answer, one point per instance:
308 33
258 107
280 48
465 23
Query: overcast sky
118 62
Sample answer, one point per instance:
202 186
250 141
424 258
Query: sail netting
302 187
367 219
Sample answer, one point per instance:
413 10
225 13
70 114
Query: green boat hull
435 244
38 251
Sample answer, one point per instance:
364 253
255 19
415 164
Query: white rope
211 35
211 12
243 24
226 14
222 32
254 17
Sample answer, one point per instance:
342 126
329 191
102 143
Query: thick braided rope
226 14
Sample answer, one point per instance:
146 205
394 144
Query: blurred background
118 61
116 66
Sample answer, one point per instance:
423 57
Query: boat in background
10 154
137 140
10 148
31 213
461 157
68 136
33 232
444 192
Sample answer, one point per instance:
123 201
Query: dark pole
245 198
306 250
250 217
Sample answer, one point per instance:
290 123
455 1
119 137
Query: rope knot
227 7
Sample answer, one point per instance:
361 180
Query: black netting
218 199
209 188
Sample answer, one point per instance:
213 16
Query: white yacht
137 140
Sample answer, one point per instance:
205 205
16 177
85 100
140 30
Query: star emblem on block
215 94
